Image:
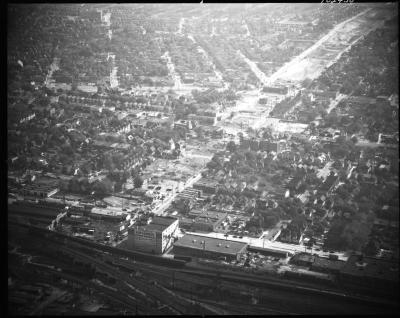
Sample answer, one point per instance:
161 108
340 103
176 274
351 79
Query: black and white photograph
202 159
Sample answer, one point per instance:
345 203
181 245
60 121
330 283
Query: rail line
168 300
108 260
115 296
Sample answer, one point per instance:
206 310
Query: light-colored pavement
335 102
161 209
337 29
54 66
253 66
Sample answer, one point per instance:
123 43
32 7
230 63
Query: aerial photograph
203 158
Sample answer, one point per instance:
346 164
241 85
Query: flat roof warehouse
211 244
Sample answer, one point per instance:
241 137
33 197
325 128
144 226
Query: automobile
240 236
318 249
332 252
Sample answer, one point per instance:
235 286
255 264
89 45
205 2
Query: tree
85 186
104 186
270 220
250 157
334 236
267 133
74 185
124 176
200 133
183 205
253 229
372 247
356 235
231 146
67 149
212 165
138 182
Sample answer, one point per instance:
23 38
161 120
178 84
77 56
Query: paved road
311 49
161 209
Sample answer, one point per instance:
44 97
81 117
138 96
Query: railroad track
115 296
135 285
169 299
128 286
238 277
249 280
245 309
111 260
223 308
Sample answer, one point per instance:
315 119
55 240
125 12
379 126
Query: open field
312 62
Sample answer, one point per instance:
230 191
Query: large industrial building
207 247
155 237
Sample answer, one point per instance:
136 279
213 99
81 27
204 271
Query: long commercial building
207 247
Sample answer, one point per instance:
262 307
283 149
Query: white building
155 237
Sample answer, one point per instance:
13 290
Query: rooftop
305 257
328 263
110 211
210 244
163 220
158 224
153 227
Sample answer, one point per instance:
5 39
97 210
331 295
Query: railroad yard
131 285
